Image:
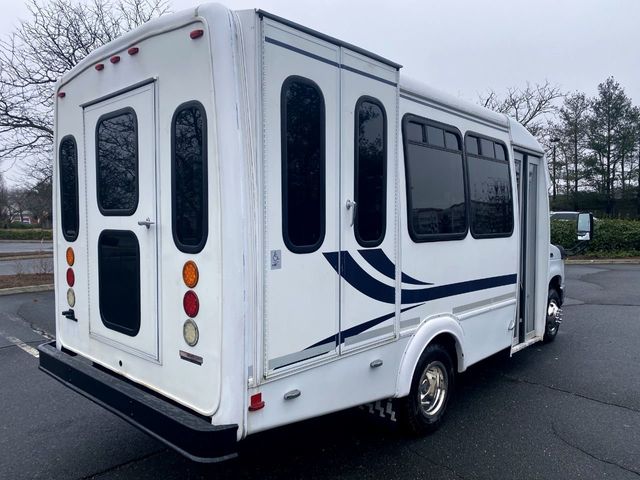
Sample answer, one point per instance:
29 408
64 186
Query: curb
605 261
26 257
27 289
17 240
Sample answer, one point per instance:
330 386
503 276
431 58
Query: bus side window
303 165
490 195
189 177
436 200
69 214
370 172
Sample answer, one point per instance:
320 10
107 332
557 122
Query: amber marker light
190 274
71 257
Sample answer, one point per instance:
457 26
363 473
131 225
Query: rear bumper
189 434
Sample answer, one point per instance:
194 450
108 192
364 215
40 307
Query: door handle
352 205
147 223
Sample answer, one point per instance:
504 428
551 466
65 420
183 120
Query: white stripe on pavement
20 344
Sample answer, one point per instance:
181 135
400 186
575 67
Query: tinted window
69 188
435 136
435 191
189 146
500 152
414 132
370 173
486 148
117 162
491 207
303 165
119 281
471 145
452 141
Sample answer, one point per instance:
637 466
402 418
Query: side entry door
368 180
121 214
301 167
527 171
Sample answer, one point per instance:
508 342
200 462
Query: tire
421 413
554 316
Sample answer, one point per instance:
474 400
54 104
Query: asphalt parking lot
570 409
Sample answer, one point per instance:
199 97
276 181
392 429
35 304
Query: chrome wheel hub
433 388
554 316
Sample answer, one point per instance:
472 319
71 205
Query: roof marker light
133 50
196 34
115 59
61 94
99 66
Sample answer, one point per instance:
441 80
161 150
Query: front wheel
554 316
431 390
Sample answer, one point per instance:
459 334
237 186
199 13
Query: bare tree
58 35
528 105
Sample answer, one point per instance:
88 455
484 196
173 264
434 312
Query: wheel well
555 283
448 341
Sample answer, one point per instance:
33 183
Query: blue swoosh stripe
353 331
379 260
359 279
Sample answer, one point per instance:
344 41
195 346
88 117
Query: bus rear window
189 174
117 162
68 156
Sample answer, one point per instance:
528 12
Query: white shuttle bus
258 224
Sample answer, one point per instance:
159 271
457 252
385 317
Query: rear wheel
423 409
554 316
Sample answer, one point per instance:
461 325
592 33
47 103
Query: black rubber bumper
188 433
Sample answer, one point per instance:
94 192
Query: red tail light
71 278
191 303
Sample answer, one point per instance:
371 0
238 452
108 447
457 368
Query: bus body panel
306 329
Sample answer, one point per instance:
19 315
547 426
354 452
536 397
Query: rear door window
117 162
119 281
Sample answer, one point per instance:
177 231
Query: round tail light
71 277
190 274
191 303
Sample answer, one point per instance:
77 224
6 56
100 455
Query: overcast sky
468 46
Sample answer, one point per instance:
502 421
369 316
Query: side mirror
585 227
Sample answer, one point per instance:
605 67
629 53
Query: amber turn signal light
71 257
190 274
